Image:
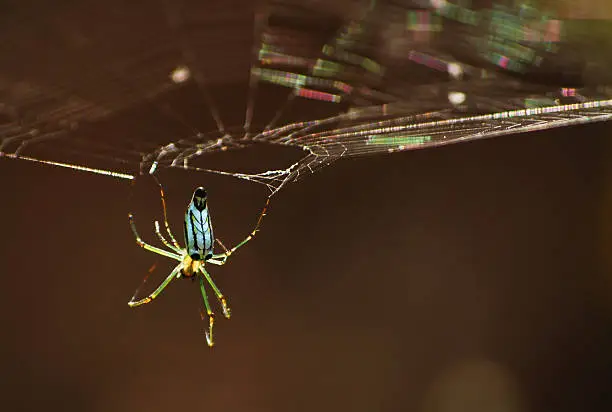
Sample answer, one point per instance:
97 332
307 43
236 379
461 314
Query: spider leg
163 200
222 257
209 313
221 244
217 262
148 247
226 310
157 291
164 241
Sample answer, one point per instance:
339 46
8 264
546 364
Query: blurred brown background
475 277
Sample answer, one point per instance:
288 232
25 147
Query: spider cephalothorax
190 266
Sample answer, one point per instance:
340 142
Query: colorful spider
199 241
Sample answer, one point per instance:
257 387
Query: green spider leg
148 247
209 313
216 261
221 258
166 224
165 242
174 274
211 316
226 310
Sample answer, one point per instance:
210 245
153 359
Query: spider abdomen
199 238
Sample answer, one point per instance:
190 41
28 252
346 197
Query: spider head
199 198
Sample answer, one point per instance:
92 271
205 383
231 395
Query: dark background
471 277
474 277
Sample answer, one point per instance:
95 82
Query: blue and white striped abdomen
199 238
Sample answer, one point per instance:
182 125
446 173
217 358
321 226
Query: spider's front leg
221 258
169 245
148 247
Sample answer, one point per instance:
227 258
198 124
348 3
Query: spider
199 241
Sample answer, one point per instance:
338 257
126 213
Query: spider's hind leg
227 312
209 313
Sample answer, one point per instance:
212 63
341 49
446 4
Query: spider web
123 89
